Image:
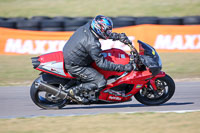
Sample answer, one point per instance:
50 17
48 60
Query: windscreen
149 57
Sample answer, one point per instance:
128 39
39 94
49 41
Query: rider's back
76 50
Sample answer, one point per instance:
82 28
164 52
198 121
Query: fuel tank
116 56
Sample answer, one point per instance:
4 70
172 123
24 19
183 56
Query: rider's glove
114 36
128 68
121 37
124 39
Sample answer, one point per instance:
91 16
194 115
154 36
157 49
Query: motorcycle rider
83 48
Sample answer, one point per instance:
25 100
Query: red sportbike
147 83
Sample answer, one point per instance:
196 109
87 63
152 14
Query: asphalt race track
16 102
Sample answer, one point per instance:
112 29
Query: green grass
18 70
106 123
28 8
181 65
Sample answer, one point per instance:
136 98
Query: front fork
152 81
152 84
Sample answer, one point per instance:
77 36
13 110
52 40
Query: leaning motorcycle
147 83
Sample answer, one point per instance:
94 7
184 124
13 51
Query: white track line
173 111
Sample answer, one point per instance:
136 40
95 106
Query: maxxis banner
164 38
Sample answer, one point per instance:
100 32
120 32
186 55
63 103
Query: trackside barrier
164 38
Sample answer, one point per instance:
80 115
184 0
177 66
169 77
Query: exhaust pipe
58 92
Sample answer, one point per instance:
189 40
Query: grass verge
181 65
106 123
29 8
16 70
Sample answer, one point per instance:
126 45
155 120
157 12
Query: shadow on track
123 105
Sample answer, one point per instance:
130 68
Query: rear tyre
43 99
7 24
123 21
191 20
170 21
146 20
52 29
165 90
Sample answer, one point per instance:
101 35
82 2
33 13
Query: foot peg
74 94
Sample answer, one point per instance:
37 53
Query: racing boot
75 92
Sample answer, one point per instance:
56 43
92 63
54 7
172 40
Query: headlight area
155 70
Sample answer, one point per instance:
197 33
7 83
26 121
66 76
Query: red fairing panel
113 55
55 56
138 78
53 63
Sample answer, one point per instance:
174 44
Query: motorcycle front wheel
165 90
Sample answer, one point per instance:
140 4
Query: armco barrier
167 38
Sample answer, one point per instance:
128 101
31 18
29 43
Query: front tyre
165 90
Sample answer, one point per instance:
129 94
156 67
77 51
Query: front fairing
149 57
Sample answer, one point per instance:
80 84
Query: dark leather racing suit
80 51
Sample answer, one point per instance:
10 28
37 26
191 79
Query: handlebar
134 54
133 50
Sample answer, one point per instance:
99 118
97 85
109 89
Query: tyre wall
63 23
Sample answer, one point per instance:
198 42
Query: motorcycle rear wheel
43 99
165 90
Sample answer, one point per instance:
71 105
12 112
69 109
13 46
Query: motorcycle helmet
102 26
